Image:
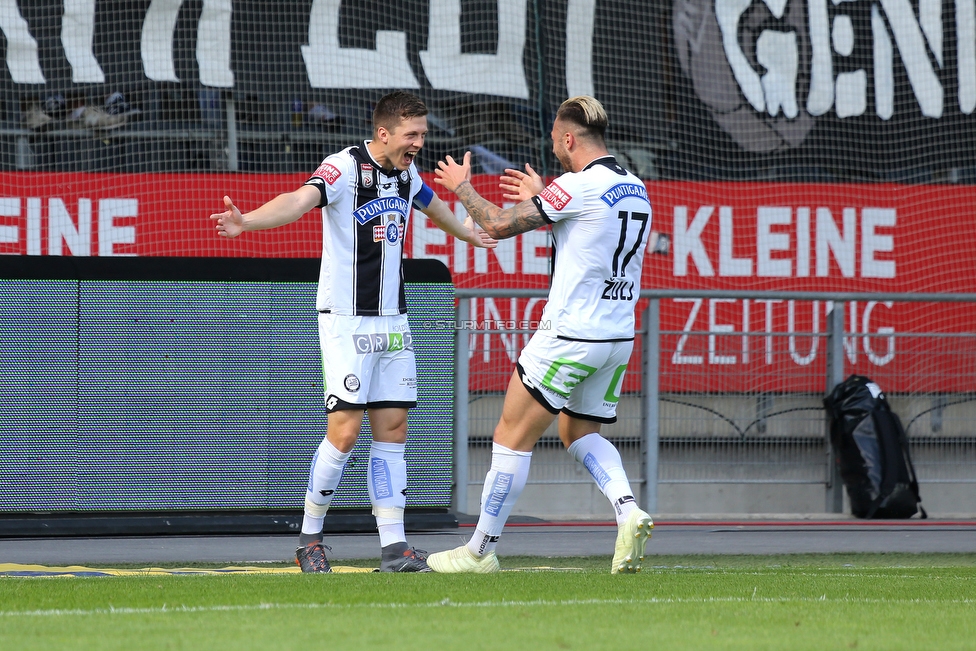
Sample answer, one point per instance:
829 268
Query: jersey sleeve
561 199
330 177
423 197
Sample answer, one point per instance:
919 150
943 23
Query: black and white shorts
367 362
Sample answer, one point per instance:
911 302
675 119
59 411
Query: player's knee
344 428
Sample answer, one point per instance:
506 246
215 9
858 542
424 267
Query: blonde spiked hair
586 112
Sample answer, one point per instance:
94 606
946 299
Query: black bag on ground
871 448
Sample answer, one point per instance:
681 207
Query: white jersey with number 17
601 221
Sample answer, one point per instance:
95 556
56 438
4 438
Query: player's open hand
450 174
519 186
479 237
230 223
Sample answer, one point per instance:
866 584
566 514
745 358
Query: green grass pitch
885 602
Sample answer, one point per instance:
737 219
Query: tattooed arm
498 223
443 217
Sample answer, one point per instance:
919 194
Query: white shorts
582 379
367 362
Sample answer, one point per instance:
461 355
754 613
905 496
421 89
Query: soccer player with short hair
601 219
365 192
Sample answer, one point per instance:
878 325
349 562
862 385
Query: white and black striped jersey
365 211
601 221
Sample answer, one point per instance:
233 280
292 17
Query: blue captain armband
423 198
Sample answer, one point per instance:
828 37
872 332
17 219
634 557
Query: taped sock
503 485
387 487
602 459
323 479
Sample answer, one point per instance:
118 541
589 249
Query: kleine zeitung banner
753 236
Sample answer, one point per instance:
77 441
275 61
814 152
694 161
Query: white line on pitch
56 612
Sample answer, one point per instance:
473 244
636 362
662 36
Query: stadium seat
910 175
489 161
357 118
643 163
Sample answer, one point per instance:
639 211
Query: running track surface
537 538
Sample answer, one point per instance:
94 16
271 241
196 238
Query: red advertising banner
761 236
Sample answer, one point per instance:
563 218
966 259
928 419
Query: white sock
503 485
602 460
388 490
324 476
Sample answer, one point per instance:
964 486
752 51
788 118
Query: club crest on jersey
390 206
623 190
404 176
556 196
392 232
328 172
366 175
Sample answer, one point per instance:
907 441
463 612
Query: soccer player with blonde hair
601 220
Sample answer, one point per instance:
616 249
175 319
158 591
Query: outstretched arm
443 217
283 209
497 222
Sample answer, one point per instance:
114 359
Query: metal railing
741 437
